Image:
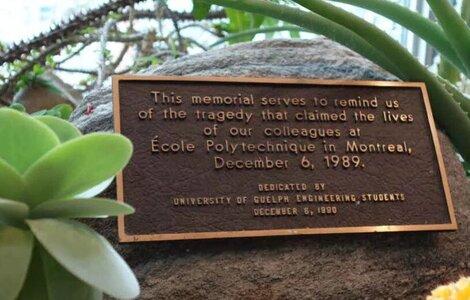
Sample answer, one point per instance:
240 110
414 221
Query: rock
320 58
353 266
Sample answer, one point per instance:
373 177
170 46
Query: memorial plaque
245 157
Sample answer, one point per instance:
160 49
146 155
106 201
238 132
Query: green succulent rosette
49 174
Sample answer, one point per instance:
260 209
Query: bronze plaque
244 157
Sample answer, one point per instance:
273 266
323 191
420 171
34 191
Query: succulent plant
48 171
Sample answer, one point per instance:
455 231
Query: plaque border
124 237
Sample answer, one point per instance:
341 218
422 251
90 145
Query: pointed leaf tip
80 208
12 212
23 139
12 183
76 166
64 130
16 247
87 255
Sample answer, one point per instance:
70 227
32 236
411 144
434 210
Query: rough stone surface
320 58
359 266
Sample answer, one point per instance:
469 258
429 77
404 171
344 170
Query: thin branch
73 54
30 64
198 25
193 41
102 70
76 70
181 16
174 20
126 47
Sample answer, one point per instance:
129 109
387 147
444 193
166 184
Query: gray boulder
359 266
320 58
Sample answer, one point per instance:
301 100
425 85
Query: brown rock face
354 266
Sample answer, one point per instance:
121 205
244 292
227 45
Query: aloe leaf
448 113
16 247
35 286
23 139
63 285
455 28
333 22
12 212
317 24
64 130
447 70
80 208
463 100
11 183
465 11
413 21
96 190
76 166
252 32
87 255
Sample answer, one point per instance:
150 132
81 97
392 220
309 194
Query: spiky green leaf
455 28
426 29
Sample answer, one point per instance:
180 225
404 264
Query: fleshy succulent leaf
96 190
64 130
63 285
80 208
35 286
12 184
87 255
23 139
16 247
76 166
12 212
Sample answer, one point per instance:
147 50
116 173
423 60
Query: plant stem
314 23
429 31
252 32
455 28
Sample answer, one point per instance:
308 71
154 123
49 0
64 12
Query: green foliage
18 106
376 45
80 208
63 129
240 21
62 111
16 247
455 28
45 163
60 282
200 9
293 30
429 31
447 71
